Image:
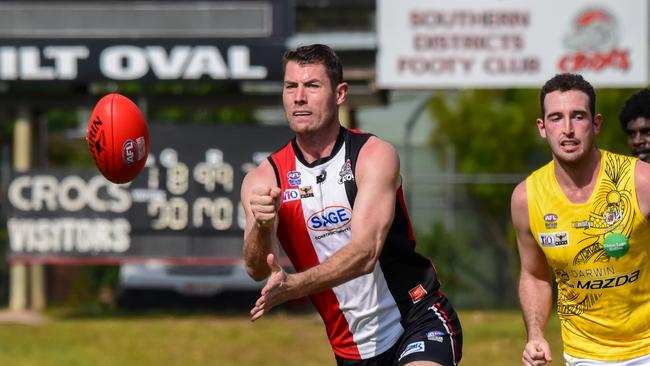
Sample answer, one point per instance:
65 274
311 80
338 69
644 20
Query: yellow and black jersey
599 251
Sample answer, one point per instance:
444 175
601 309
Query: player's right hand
265 202
536 353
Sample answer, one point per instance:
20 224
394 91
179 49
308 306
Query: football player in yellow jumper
583 216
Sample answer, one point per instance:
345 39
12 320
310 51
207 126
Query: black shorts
434 334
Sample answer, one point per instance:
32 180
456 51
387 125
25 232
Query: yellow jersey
603 288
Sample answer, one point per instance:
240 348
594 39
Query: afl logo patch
550 221
294 178
128 152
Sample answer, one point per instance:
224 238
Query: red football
118 138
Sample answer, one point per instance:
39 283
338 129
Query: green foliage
447 249
493 131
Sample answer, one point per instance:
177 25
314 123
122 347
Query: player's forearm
535 296
345 265
258 243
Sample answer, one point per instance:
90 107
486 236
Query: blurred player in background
333 198
584 215
635 121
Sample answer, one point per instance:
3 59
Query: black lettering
621 280
634 276
608 282
596 285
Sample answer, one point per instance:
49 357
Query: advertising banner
426 44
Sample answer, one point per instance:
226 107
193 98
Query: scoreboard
184 206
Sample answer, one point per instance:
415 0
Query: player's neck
578 178
318 145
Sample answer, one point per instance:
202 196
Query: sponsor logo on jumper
331 218
290 194
435 335
593 44
306 192
417 293
597 278
345 174
412 348
550 220
335 232
294 178
581 224
554 239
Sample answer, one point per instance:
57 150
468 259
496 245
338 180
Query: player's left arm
377 178
642 178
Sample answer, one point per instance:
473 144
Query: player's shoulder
519 199
262 174
378 149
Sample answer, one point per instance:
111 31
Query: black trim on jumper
337 147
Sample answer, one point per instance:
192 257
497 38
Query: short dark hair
638 105
566 82
317 54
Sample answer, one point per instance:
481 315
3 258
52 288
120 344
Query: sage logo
330 218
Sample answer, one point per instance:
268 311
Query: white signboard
426 44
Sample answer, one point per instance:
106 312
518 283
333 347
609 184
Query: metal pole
22 156
408 153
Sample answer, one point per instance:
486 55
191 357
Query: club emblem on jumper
345 174
613 212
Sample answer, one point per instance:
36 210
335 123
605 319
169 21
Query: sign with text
138 60
184 206
426 44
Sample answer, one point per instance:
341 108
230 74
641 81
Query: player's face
568 126
638 137
310 101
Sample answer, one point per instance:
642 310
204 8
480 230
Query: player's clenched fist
265 203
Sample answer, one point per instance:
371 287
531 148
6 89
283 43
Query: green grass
491 338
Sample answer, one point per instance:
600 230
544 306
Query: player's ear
598 121
541 127
341 93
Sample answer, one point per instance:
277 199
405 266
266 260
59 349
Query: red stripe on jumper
296 242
